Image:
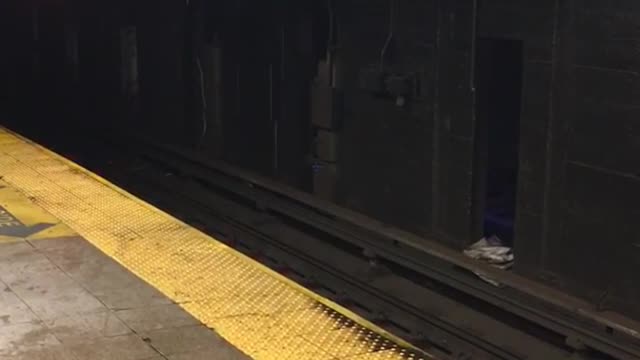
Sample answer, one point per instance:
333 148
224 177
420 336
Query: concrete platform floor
62 299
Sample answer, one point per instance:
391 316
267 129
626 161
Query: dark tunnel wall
414 152
372 105
578 182
266 70
595 163
382 142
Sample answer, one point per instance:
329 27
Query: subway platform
89 272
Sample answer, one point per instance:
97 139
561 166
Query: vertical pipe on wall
274 122
35 48
454 122
562 110
549 144
477 203
435 200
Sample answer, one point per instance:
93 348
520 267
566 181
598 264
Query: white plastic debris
492 251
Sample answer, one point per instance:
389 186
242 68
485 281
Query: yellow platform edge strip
273 274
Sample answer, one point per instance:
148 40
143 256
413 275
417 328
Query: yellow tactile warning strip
259 311
20 219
